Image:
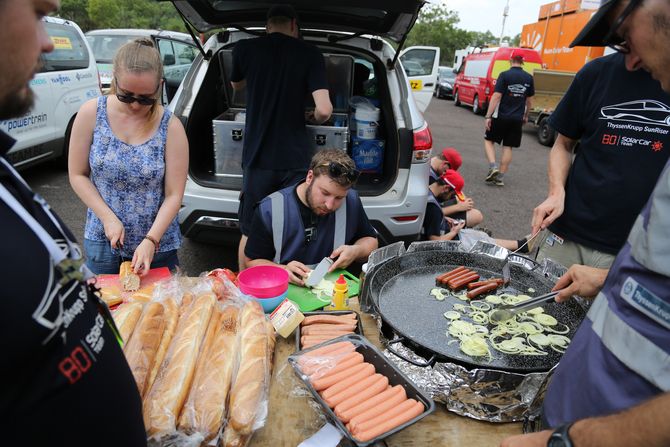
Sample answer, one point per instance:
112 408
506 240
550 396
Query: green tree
76 11
96 14
436 26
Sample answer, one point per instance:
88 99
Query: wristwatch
560 437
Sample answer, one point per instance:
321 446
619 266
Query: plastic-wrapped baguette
252 378
171 319
205 408
130 281
141 349
125 317
166 398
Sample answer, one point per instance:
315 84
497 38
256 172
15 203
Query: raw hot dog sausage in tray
363 416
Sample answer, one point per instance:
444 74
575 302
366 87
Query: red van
477 75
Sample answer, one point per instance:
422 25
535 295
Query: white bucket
367 121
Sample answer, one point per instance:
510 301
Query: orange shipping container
551 38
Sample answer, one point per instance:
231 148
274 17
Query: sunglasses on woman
337 170
141 100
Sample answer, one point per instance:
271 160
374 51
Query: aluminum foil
482 394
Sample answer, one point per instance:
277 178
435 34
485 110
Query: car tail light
411 218
423 143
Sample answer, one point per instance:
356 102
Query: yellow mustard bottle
340 294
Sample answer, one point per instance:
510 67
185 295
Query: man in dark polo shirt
506 115
63 377
279 71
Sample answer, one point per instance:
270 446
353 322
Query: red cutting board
154 275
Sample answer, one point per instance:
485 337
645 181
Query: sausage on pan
481 289
457 275
450 273
474 285
462 281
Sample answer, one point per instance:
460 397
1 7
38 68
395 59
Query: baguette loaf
166 398
251 380
206 407
126 316
171 318
141 350
188 411
232 438
143 295
130 281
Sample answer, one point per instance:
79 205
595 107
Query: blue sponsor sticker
646 302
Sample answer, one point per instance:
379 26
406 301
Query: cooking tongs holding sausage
506 312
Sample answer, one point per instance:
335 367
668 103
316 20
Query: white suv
394 196
68 78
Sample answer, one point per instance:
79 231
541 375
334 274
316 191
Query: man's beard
310 204
17 104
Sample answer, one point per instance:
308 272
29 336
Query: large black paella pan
400 290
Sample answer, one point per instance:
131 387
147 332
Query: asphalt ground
507 210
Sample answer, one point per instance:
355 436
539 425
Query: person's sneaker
492 175
498 181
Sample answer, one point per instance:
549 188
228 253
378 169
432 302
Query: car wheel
62 160
475 105
545 134
457 101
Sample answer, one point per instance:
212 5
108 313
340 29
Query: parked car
177 51
67 78
445 82
477 75
394 197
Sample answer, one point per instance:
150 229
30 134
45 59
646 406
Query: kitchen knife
319 272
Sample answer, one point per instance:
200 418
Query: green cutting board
307 301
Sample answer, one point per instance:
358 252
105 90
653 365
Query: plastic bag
469 238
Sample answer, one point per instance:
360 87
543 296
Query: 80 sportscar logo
618 140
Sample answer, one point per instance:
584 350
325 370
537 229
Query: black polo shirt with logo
63 377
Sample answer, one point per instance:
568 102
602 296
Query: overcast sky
487 15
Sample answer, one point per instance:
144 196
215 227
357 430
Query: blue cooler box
368 155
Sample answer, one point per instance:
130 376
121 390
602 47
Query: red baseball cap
453 157
455 181
517 55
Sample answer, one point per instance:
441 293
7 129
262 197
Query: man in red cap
506 115
448 158
458 206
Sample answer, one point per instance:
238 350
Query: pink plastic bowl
263 281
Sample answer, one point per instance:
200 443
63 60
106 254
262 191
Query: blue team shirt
515 85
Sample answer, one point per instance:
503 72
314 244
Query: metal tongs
506 312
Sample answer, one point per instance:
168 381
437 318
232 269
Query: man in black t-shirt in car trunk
279 71
63 378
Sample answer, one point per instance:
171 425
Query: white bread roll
125 317
141 350
166 398
252 378
130 281
171 319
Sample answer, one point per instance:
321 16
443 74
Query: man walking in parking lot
278 70
506 115
63 376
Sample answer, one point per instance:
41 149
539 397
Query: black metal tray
358 330
382 365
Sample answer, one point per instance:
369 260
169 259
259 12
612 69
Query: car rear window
70 52
104 47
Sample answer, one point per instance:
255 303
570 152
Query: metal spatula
506 312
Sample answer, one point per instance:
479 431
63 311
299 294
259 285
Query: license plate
416 84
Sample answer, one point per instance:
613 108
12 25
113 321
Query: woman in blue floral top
128 163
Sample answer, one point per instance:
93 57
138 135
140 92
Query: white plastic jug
367 121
